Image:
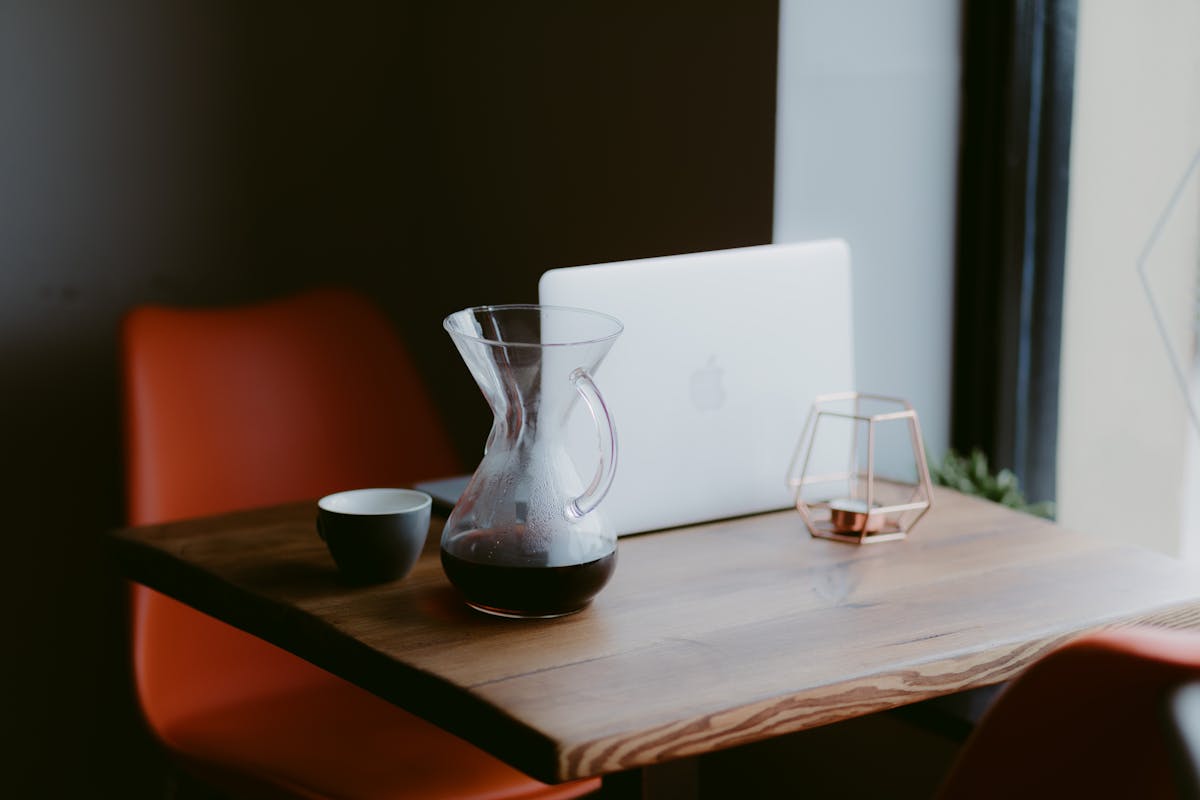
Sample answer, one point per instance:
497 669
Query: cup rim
417 501
619 326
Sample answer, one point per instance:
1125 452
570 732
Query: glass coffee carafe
525 539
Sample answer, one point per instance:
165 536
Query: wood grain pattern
707 637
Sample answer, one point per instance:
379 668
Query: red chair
1088 720
234 408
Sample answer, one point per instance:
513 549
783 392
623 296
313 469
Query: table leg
673 780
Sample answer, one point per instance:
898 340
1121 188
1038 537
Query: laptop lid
709 385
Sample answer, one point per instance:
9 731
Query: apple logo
707 392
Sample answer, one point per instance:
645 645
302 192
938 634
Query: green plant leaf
970 475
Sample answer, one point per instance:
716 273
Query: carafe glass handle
606 440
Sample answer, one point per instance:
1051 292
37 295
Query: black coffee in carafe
503 583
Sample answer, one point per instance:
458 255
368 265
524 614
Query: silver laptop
709 385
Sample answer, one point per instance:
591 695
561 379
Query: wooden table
707 637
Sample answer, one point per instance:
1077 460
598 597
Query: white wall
867 149
1125 438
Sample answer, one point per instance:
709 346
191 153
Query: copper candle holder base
852 517
848 521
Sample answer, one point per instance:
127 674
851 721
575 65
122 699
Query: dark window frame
1014 173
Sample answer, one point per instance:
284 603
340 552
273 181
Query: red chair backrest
1088 720
233 408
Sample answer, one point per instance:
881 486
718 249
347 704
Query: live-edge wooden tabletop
707 637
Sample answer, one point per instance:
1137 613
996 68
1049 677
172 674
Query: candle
852 516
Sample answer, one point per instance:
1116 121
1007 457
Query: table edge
812 707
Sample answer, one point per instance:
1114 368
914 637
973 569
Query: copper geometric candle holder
859 470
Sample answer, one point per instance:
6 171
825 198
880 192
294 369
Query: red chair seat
333 739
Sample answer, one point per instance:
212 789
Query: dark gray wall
435 155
